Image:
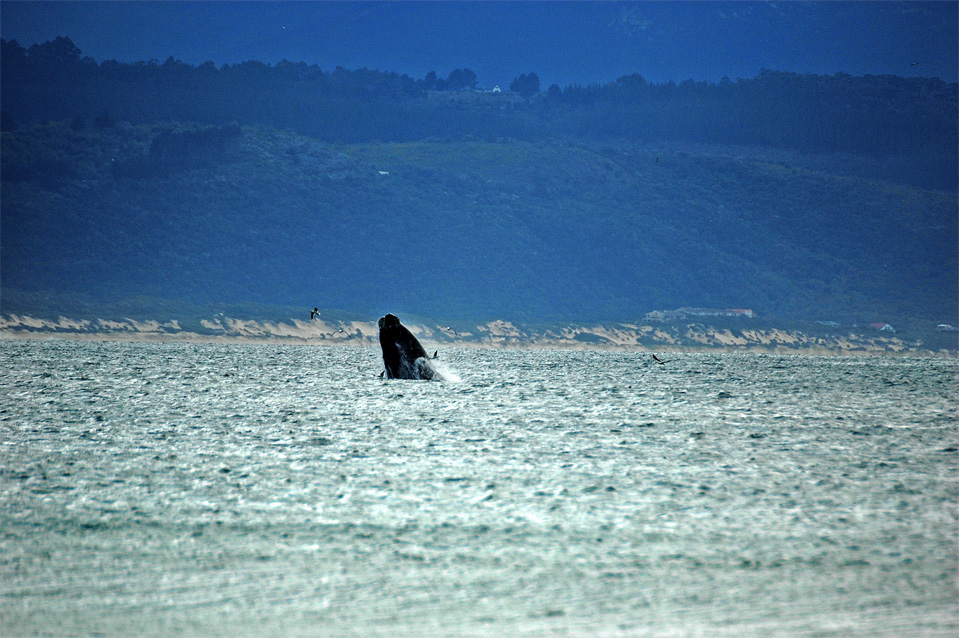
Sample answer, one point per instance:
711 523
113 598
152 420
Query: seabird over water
314 313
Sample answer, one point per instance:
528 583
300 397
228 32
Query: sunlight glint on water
156 489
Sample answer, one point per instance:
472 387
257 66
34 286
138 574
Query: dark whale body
403 355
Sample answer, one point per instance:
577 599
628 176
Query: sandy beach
678 337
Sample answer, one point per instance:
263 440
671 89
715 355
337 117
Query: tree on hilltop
525 85
460 79
61 48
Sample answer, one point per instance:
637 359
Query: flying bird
659 361
314 313
447 328
914 64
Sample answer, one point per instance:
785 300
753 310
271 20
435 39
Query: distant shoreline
685 338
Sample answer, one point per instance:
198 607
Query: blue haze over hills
564 43
633 174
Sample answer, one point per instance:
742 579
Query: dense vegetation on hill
908 125
798 196
547 230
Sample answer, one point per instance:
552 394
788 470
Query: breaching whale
403 355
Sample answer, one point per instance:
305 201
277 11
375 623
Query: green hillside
549 230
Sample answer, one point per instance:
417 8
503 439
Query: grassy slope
479 230
680 228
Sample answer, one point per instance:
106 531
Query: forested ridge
910 123
370 192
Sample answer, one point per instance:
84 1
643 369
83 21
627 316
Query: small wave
443 373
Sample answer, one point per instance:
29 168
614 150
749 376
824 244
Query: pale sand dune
498 333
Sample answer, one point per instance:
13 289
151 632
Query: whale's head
388 321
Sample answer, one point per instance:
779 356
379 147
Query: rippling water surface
257 489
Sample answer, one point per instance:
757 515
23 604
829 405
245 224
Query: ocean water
221 490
